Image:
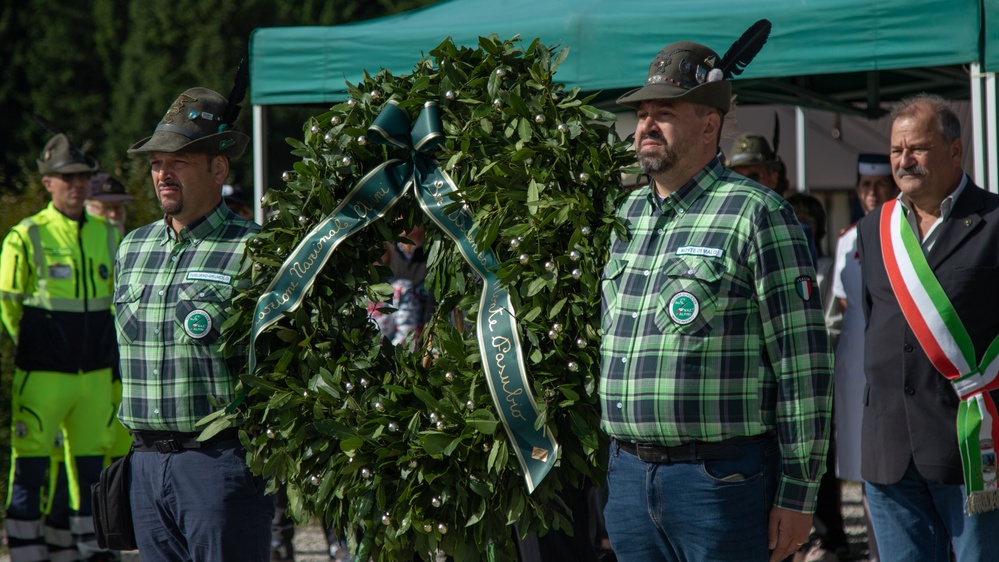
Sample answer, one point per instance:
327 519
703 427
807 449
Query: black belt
694 451
173 441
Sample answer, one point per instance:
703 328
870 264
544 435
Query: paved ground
310 542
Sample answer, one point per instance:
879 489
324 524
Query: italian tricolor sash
946 342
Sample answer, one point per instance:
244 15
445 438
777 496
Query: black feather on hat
692 72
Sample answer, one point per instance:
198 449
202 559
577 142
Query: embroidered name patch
209 276
683 308
700 251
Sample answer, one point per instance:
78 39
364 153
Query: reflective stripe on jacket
56 282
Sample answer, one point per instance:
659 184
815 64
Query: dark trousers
200 505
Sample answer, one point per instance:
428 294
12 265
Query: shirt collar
946 206
682 199
199 229
82 219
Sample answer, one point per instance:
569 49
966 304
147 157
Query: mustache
654 135
914 170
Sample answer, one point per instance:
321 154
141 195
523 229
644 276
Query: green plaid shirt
712 328
172 294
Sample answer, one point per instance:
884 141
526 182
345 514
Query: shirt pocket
689 296
610 287
127 301
201 310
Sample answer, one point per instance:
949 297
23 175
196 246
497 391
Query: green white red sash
943 337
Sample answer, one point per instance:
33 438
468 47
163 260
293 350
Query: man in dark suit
930 265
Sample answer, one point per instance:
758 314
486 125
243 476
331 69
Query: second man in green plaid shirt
716 376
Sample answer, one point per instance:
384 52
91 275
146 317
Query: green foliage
400 448
106 70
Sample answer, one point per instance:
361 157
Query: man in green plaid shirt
716 373
192 500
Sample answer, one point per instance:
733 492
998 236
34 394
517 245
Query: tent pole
259 161
799 145
977 121
991 132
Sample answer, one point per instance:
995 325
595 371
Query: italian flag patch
805 286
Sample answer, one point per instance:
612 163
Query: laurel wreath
400 447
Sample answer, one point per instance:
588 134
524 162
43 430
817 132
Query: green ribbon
371 198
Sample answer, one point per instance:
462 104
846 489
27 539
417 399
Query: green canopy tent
845 55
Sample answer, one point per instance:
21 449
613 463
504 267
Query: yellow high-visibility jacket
56 283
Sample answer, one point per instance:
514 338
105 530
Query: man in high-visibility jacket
55 301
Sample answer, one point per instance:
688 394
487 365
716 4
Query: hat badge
177 107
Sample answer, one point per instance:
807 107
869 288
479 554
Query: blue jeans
698 511
200 505
919 520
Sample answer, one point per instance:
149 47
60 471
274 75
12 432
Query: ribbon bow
369 200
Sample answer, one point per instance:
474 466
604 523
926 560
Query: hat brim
90 165
111 197
716 94
230 144
750 159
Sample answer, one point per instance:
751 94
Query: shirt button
156 411
908 348
690 273
620 405
646 273
679 211
201 294
156 371
624 359
156 331
173 258
161 293
634 315
909 390
660 231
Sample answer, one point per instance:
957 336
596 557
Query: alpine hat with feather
691 72
61 156
194 123
201 121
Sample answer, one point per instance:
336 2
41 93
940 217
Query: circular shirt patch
20 429
683 308
197 324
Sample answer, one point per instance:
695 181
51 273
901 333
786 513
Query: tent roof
829 50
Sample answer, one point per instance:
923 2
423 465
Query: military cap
61 156
194 124
107 189
749 149
869 164
684 71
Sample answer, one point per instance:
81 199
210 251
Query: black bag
111 507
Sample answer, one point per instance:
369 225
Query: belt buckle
652 454
167 445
